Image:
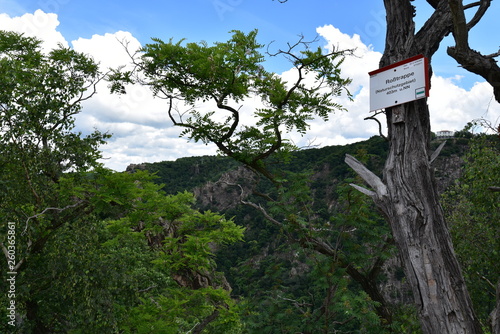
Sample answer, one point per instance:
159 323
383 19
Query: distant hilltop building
445 134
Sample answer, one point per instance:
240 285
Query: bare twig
74 205
147 289
435 154
373 118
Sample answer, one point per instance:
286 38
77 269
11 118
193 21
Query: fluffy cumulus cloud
139 123
453 107
142 131
39 24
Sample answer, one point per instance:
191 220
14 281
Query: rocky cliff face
447 170
227 191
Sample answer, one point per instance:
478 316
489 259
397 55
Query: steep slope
265 261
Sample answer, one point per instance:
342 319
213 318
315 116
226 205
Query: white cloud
109 49
40 25
139 123
452 107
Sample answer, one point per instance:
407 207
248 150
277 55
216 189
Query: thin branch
263 211
363 190
487 281
483 7
6 253
434 29
471 60
493 55
74 205
436 152
373 118
201 326
298 305
147 289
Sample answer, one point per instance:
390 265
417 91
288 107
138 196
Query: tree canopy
89 250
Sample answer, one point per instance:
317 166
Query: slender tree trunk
408 196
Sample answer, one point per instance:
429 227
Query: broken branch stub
368 176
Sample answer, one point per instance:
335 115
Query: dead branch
74 205
435 154
368 176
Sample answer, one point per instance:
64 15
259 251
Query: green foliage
269 278
228 73
190 172
473 213
40 96
97 251
137 253
41 93
305 292
181 242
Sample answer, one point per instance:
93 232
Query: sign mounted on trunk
401 82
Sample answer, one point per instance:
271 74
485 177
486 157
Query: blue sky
211 20
198 19
208 20
92 26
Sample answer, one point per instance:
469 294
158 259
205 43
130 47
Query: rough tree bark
407 195
471 60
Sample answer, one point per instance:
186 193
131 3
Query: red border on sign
409 60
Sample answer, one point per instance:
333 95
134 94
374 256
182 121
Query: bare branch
74 205
483 7
147 289
363 190
493 55
201 326
368 176
373 118
471 60
434 29
7 257
298 305
435 154
263 211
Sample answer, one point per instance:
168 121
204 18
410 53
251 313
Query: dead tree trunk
407 195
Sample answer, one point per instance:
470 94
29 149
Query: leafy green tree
473 213
96 251
228 73
182 243
225 75
135 253
40 95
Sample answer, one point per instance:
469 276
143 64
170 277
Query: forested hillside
283 286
